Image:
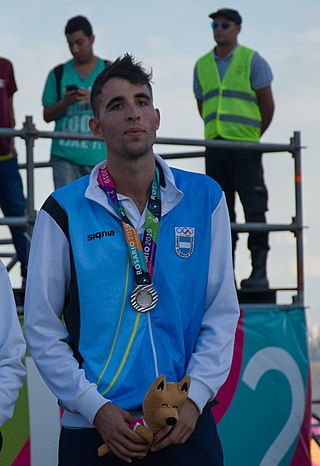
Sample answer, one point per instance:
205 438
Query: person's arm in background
55 111
199 104
54 108
261 77
266 104
12 119
12 88
197 90
12 125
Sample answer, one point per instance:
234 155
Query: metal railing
30 134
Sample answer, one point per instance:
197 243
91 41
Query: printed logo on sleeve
184 241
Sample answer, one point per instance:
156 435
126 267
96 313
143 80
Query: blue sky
169 36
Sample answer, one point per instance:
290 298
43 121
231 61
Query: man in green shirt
66 100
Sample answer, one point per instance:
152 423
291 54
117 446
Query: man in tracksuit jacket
97 342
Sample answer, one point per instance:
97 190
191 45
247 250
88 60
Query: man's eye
116 106
142 103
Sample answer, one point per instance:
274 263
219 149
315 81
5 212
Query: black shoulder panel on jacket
58 214
71 309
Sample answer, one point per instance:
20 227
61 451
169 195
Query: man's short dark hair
125 67
78 23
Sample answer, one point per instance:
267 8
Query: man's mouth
134 132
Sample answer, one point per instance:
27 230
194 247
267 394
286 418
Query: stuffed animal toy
161 406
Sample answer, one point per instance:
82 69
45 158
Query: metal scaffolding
30 134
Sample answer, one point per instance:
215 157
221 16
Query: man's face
225 36
80 46
127 119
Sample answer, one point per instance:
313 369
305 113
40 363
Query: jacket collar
170 194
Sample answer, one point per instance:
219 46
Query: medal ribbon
142 254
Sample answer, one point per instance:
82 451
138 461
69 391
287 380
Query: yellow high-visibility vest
230 108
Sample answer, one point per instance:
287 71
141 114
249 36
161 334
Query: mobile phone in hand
72 87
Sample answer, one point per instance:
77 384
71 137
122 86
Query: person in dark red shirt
12 201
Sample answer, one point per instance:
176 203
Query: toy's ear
161 385
184 385
161 382
158 384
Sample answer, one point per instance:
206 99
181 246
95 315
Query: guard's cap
228 13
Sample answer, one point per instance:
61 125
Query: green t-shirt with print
76 118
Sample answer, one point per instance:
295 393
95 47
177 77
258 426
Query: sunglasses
224 25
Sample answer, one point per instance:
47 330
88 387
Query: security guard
232 85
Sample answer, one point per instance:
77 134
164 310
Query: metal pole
30 134
298 218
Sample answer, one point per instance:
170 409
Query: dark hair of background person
78 23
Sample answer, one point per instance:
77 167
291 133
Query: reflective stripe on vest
229 108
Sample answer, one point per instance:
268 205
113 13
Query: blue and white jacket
79 270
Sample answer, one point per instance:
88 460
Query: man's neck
223 50
134 179
85 68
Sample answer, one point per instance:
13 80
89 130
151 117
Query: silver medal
144 298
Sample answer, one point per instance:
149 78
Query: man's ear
95 127
158 117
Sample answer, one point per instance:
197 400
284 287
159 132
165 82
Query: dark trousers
12 204
240 171
203 448
1 441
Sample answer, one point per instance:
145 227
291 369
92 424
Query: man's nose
74 48
133 112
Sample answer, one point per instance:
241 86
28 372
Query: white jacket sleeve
12 349
211 360
47 287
